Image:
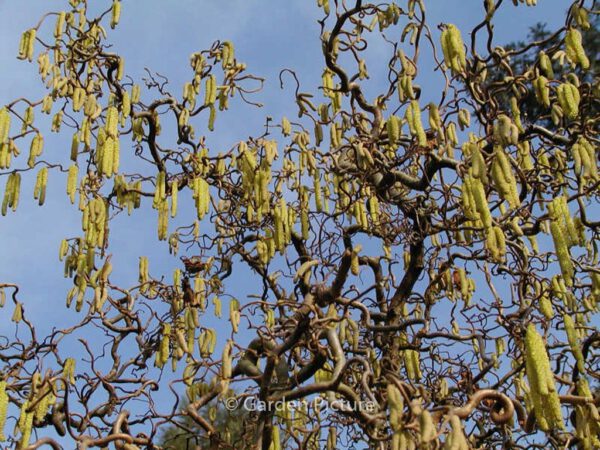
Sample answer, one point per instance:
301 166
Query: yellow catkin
174 195
478 166
393 130
210 95
39 191
286 127
27 44
159 190
435 121
574 342
587 418
5 156
562 253
504 179
464 118
28 118
4 125
542 90
60 24
115 14
3 409
226 366
546 65
396 406
72 182
451 135
275 439
545 306
201 195
69 370
413 117
481 203
505 131
162 355
25 424
234 314
135 93
163 220
212 340
11 192
543 392
143 270
426 427
456 439
574 49
354 261
36 148
453 49
218 307
568 98
495 248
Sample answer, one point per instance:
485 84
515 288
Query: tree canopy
390 265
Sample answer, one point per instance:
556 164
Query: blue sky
268 35
161 35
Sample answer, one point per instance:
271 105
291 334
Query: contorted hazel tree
424 262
